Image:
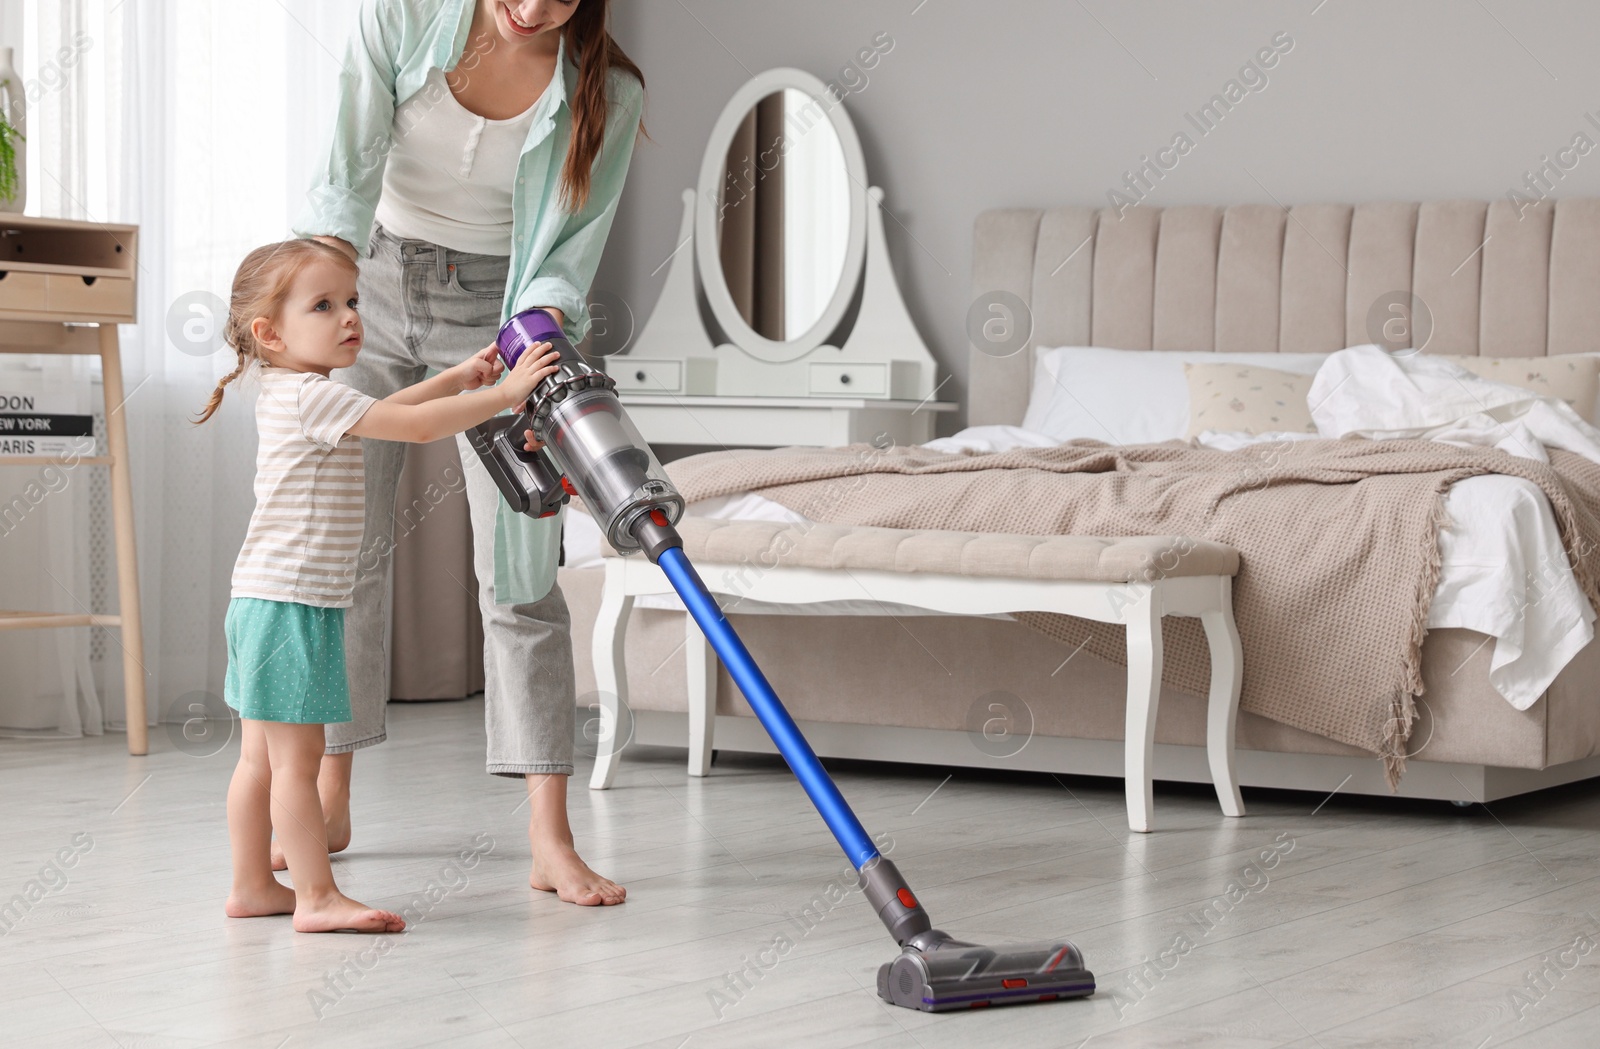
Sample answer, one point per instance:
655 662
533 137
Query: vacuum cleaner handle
528 480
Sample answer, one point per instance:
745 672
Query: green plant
9 137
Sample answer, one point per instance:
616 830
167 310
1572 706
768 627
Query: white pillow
1128 396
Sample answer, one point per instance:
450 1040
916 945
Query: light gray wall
1030 104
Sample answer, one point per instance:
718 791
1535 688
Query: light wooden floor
1385 924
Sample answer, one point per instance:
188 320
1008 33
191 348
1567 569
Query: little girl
292 320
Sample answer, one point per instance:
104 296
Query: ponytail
589 42
215 400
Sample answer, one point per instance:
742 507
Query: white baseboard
1320 773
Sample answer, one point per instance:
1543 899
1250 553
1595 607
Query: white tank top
450 172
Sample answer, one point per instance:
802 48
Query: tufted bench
1133 581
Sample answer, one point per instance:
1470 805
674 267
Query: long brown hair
260 288
589 42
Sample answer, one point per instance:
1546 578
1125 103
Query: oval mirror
780 222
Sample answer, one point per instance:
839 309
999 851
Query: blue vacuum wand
591 449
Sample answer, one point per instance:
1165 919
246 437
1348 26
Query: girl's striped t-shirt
305 534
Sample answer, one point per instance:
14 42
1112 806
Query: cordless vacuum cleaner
592 450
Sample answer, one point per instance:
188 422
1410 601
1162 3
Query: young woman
479 150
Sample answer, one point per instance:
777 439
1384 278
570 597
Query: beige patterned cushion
1573 377
1248 398
1085 558
1104 559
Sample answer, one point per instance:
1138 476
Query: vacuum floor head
954 975
937 973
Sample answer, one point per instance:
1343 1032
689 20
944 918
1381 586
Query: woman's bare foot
338 827
558 868
260 900
338 830
338 913
333 788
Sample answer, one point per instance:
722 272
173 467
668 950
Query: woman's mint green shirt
554 253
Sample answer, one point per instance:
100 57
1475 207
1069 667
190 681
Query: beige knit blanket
1338 542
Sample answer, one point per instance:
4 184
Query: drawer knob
844 377
638 376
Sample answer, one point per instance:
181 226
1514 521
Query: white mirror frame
713 170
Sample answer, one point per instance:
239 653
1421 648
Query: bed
1246 279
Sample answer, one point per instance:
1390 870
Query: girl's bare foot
558 868
260 901
339 913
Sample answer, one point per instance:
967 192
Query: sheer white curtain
197 120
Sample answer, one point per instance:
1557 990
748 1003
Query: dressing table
805 339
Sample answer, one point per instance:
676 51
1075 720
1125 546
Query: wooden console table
64 288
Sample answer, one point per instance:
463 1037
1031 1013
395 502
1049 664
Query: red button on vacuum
906 897
566 486
659 518
1013 983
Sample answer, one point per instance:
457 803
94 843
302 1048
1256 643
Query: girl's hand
532 445
537 363
481 369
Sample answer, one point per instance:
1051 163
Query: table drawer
644 376
22 291
858 380
89 296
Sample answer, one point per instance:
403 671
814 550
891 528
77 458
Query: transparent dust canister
597 447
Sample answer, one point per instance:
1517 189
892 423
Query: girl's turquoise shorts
286 662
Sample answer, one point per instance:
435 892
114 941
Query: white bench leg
702 679
610 669
1144 696
1222 706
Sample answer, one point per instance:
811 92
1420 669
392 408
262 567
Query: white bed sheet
1504 572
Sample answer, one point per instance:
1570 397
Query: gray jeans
426 306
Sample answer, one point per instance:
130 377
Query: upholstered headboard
1257 278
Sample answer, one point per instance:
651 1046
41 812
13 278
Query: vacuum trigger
566 486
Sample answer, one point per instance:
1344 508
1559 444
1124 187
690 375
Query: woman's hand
481 369
532 444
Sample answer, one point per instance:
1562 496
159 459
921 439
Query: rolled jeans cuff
515 771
